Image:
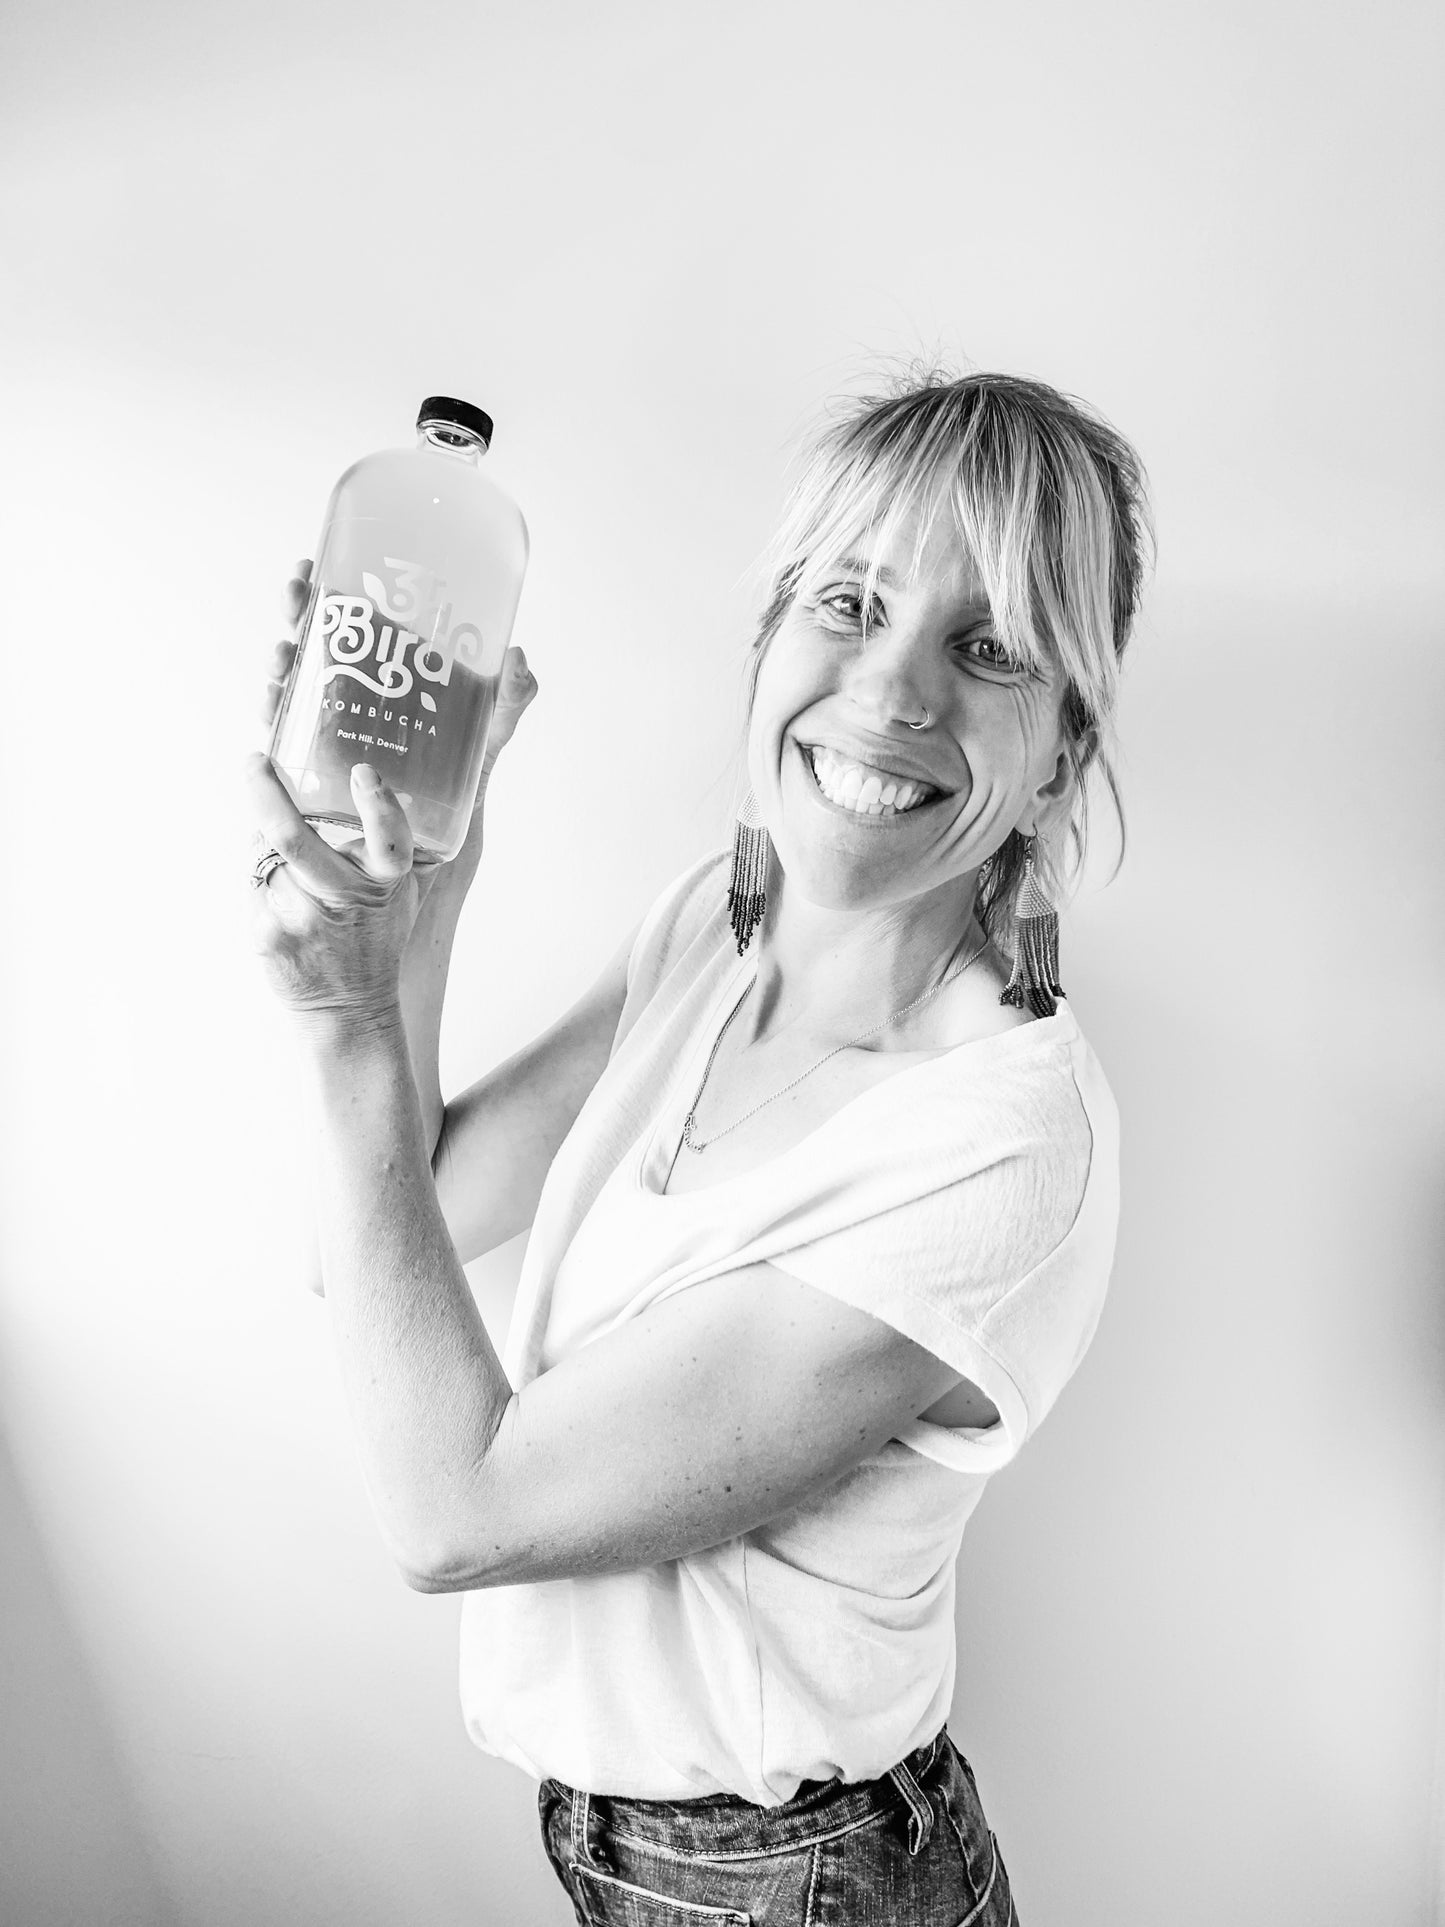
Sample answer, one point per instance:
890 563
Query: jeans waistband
723 1826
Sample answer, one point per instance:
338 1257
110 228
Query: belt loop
920 1813
586 1823
581 1829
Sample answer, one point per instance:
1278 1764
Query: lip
880 753
852 816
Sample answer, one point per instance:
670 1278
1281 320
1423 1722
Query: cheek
1011 738
999 729
1037 730
767 718
788 682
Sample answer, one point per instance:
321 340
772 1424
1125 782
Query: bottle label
400 629
392 672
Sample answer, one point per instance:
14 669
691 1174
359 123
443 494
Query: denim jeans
911 1849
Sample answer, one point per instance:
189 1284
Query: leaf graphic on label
428 702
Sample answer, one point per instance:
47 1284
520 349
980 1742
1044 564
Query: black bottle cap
443 408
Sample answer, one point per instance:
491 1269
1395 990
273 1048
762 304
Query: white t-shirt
969 1200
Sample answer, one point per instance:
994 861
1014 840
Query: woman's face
836 691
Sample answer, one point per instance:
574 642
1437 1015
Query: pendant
687 1135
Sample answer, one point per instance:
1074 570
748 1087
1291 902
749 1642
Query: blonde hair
1050 503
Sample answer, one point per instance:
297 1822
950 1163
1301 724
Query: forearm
424 1385
423 992
424 977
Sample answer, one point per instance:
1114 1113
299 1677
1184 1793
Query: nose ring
923 724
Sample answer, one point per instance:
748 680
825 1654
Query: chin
831 881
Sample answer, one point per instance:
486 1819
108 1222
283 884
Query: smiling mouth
861 790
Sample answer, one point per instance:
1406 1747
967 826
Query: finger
388 840
283 656
296 593
516 688
519 685
281 826
286 902
426 866
515 667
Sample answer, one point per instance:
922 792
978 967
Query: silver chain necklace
694 1143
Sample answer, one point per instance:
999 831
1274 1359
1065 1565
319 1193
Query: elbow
469 1563
434 1574
423 1568
503 1561
430 1561
466 1548
424 1562
422 1578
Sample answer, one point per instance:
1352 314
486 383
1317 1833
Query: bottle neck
450 438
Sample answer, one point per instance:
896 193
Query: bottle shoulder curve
396 473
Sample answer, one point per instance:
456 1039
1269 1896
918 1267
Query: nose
893 678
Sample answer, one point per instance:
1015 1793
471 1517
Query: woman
822 1182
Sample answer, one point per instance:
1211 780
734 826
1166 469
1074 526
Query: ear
1053 799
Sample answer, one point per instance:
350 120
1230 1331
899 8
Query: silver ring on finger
270 860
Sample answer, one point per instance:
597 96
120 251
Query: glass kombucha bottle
400 646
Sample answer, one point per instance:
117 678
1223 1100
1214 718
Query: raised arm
491 1147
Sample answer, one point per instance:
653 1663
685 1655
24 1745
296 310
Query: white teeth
866 792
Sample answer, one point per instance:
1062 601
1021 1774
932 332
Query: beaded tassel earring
1035 980
747 885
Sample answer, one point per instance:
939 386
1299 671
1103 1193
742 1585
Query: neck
823 972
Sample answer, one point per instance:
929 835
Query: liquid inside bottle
399 650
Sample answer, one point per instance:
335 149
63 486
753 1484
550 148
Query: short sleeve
999 1269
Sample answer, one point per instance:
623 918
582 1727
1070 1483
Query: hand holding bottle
331 925
517 688
335 924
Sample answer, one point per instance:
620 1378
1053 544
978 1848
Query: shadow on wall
73 1848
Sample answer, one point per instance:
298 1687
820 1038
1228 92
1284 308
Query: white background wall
1200 1621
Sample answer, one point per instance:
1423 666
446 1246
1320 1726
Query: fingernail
365 777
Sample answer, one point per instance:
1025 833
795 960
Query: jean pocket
963 1810
607 1901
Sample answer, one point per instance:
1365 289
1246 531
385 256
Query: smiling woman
822 1185
1036 510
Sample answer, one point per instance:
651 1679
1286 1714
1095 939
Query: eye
986 648
846 605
